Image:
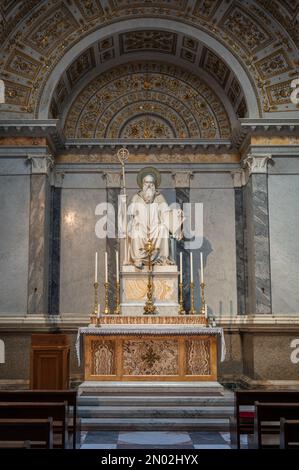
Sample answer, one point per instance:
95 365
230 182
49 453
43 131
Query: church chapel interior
149 250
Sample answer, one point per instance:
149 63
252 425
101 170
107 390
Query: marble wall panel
219 250
78 246
284 242
211 180
14 166
14 242
271 357
84 180
286 165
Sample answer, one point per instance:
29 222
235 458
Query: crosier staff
123 155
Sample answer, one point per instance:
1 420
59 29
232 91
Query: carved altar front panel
151 357
198 357
103 354
147 357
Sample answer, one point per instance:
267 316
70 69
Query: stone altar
145 352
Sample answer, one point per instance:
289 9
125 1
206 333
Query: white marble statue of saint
150 217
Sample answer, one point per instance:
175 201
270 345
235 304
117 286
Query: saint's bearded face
148 188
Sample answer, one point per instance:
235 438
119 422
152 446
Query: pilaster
257 234
39 223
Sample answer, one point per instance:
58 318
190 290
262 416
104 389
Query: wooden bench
15 445
243 421
267 419
24 410
289 434
38 431
48 396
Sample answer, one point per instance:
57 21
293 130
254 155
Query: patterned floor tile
154 438
207 438
101 437
211 446
145 446
98 446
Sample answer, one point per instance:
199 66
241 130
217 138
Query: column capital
257 163
58 181
113 179
182 178
40 164
239 177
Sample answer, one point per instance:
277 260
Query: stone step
175 400
155 412
146 424
98 388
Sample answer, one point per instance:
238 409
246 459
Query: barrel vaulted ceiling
56 53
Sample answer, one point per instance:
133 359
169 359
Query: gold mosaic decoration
49 28
163 101
135 41
274 64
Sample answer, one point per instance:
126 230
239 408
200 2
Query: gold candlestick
98 320
117 299
96 300
106 310
181 302
192 310
149 308
203 302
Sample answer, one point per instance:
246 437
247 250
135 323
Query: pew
48 396
289 434
15 445
242 422
267 419
25 410
38 431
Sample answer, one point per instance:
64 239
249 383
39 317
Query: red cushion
246 414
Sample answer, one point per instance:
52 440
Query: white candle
181 267
191 267
206 311
106 266
99 309
96 268
117 266
201 268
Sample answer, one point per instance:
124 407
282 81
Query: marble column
54 262
182 192
38 270
240 221
113 185
258 295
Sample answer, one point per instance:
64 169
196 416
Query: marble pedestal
134 290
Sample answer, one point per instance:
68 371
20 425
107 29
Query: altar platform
181 351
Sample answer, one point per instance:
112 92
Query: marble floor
157 440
